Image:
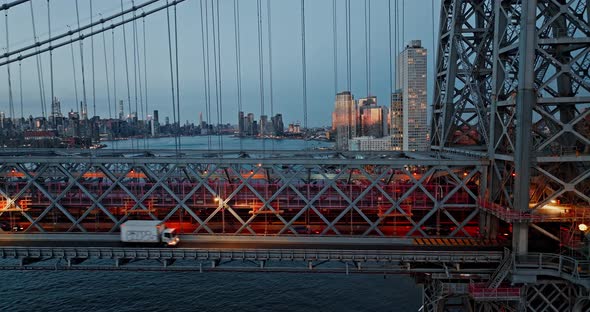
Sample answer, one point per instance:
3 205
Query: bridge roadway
104 252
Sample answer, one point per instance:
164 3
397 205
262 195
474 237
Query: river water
121 291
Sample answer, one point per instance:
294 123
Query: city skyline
285 44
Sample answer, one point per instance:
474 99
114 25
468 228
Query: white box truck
148 232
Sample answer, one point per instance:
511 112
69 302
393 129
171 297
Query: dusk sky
286 56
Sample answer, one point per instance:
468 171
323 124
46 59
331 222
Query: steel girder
260 196
529 108
540 144
463 75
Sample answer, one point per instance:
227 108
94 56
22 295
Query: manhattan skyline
286 55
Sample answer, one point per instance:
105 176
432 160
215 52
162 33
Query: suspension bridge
492 218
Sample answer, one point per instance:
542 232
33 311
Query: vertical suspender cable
106 70
396 40
134 51
270 78
304 65
348 50
177 77
50 57
114 69
434 44
390 62
171 71
74 70
93 68
367 51
20 89
208 63
260 69
205 51
10 103
215 69
126 65
85 103
238 62
403 22
39 65
145 72
335 41
137 64
369 70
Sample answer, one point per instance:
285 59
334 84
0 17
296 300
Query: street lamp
583 227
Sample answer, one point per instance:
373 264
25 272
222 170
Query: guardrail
480 292
571 269
362 260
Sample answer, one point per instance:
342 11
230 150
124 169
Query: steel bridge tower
512 84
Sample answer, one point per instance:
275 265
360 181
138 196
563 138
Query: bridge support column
262 263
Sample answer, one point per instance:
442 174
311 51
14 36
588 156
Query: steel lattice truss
383 195
523 103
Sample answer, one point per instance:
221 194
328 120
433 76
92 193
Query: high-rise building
411 81
278 125
121 111
396 121
56 108
371 118
2 119
240 123
155 123
84 110
266 127
344 119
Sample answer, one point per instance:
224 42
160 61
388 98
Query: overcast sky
286 56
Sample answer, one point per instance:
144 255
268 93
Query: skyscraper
344 119
408 106
371 118
121 111
56 108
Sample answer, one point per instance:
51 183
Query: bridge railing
568 267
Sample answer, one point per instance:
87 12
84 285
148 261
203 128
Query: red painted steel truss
245 196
